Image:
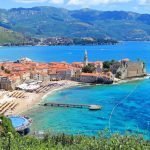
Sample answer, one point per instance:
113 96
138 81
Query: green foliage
2 68
6 126
7 71
70 142
90 68
107 64
50 21
10 140
8 36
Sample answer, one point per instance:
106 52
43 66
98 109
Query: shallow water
131 114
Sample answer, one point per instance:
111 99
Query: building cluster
13 74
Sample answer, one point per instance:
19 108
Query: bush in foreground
11 141
69 142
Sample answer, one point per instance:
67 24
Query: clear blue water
18 121
132 114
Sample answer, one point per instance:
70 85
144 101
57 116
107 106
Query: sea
125 106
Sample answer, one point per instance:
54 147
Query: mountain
9 36
51 21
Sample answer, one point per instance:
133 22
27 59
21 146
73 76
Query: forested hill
10 37
51 21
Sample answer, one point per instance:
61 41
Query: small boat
94 107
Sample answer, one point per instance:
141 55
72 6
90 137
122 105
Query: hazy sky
142 6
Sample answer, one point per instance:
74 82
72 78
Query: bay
132 113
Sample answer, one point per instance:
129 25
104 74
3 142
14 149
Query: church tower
85 58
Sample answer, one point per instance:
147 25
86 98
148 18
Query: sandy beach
31 99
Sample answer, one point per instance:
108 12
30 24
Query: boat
95 107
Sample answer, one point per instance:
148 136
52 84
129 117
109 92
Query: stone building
106 78
39 76
8 83
85 58
61 74
127 69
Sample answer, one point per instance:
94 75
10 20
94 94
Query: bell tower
85 58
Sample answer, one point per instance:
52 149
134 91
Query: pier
90 107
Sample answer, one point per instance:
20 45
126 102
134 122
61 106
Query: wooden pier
90 107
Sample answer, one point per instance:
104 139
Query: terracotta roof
77 63
125 59
90 74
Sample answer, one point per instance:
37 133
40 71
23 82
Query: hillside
51 21
10 140
9 36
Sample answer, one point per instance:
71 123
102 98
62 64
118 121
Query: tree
90 68
2 68
118 74
107 64
7 71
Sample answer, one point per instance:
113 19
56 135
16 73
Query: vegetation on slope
6 127
9 36
51 21
11 141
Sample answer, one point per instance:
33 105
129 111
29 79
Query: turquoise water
132 114
132 99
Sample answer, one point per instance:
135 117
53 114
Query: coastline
131 80
35 99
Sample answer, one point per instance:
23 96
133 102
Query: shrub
90 68
104 141
107 64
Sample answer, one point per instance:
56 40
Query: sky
141 6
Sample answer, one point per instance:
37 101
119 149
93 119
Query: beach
31 99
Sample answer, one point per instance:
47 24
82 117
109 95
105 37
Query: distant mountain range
51 22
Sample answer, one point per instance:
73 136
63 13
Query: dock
90 107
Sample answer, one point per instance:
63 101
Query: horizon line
86 8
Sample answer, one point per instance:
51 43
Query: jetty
90 107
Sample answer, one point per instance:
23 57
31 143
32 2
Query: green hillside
9 36
51 21
10 140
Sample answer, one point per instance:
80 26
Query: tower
85 58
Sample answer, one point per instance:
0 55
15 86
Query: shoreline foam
131 80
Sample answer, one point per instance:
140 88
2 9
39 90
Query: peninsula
24 83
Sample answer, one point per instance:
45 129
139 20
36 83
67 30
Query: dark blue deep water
126 107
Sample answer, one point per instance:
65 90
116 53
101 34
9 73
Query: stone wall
95 79
131 70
